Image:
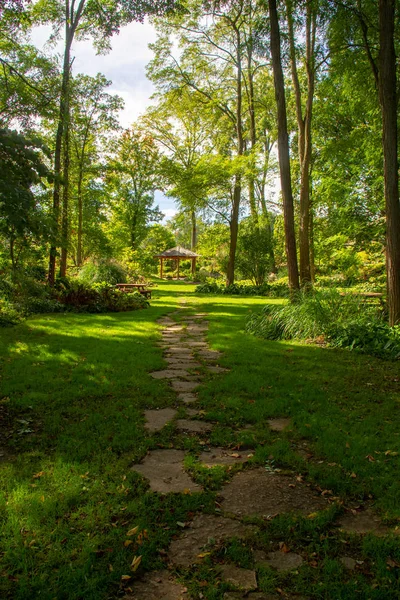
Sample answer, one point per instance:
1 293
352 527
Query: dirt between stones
258 492
159 585
204 532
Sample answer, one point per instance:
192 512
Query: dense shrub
273 289
105 270
9 316
341 321
26 296
97 298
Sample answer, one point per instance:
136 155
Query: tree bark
237 193
65 195
304 132
283 149
253 133
58 153
71 23
388 101
193 241
234 228
80 221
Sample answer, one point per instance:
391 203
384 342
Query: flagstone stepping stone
281 561
217 370
203 532
278 424
164 470
166 321
261 493
187 397
209 354
244 579
179 350
193 426
223 457
194 344
173 328
362 522
156 419
157 585
183 363
170 374
184 386
348 562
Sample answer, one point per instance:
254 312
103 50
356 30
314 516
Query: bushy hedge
272 290
98 298
341 321
25 296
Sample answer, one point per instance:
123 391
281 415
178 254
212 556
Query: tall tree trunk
193 240
72 19
304 131
65 195
237 193
388 100
58 153
80 220
283 149
234 228
312 247
253 134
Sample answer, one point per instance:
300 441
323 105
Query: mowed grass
75 387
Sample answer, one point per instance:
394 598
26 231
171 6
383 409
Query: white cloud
125 65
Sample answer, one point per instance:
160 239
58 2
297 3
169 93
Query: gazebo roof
177 252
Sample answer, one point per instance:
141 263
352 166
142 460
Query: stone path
252 492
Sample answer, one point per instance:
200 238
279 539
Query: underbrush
24 296
341 321
275 289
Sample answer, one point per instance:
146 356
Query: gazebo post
193 265
161 267
177 270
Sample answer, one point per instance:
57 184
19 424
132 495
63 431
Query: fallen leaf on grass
133 531
392 563
126 577
128 543
135 563
38 475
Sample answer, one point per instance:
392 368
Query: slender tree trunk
253 134
12 252
312 248
304 132
80 220
237 193
72 19
194 231
58 155
388 100
65 195
234 228
283 149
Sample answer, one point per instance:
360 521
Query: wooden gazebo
178 253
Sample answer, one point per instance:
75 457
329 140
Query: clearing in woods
166 454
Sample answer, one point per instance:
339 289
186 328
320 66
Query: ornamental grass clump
343 321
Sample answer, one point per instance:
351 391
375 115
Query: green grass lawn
73 389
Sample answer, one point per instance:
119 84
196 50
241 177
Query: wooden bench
368 296
134 287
